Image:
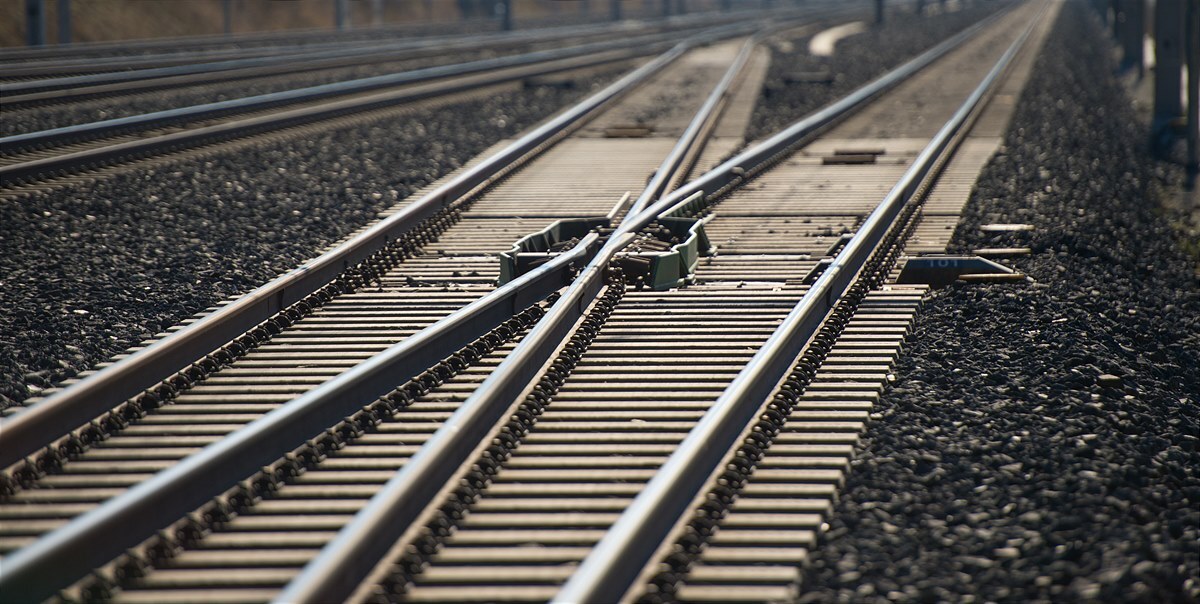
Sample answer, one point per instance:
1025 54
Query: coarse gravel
798 83
1040 442
87 271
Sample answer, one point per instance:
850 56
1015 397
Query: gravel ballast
1040 443
87 271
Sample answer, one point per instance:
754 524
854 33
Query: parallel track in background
148 53
278 67
37 157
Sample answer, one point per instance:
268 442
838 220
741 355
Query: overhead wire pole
227 17
1131 28
1193 116
615 12
340 16
35 22
1169 43
377 13
64 21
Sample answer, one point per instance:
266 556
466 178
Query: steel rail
311 93
208 43
106 68
38 426
283 42
274 66
303 59
307 38
276 120
36 572
618 560
305 55
691 140
345 561
23 94
48 70
24 87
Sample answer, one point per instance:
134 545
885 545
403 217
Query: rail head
127 69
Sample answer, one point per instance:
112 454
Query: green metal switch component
538 248
678 266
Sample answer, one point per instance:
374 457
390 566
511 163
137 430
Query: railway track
211 46
40 156
96 57
561 450
59 74
330 61
127 92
